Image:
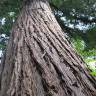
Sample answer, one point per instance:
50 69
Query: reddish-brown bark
39 61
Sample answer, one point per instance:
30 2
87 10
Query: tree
80 17
39 61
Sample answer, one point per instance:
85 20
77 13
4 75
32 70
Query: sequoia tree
39 61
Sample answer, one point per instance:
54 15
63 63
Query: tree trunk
39 61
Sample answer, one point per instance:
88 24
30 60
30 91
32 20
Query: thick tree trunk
39 61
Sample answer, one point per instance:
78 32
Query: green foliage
79 44
5 28
91 37
93 73
2 46
89 56
9 6
78 7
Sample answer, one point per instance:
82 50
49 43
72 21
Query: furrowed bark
39 61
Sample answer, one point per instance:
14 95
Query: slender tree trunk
39 61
